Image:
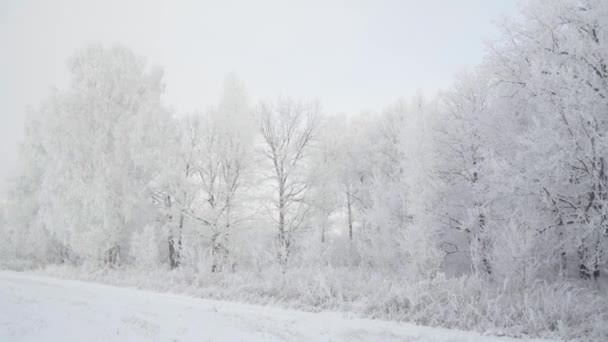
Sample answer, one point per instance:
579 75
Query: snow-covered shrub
561 310
145 247
521 259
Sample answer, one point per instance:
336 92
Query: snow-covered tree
223 160
98 143
552 66
288 129
464 137
398 232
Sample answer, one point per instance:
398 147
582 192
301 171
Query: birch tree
288 129
99 142
223 158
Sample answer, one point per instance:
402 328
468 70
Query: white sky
350 55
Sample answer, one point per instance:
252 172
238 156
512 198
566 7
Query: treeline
502 178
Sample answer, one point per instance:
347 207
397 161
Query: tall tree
552 65
288 129
224 159
100 144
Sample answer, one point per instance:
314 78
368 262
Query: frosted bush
560 310
145 247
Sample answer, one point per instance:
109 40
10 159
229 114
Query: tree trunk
350 214
597 259
323 234
113 256
282 237
214 254
175 245
219 253
583 256
589 263
484 243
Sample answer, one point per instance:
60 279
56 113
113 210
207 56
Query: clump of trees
502 178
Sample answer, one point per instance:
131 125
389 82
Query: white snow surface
38 308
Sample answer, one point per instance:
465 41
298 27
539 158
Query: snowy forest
483 208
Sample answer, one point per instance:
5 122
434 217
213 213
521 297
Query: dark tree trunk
484 245
216 254
175 245
583 270
112 258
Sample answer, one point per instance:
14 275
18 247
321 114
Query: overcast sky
350 55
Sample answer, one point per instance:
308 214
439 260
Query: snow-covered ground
36 308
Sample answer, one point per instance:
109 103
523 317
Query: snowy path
36 308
